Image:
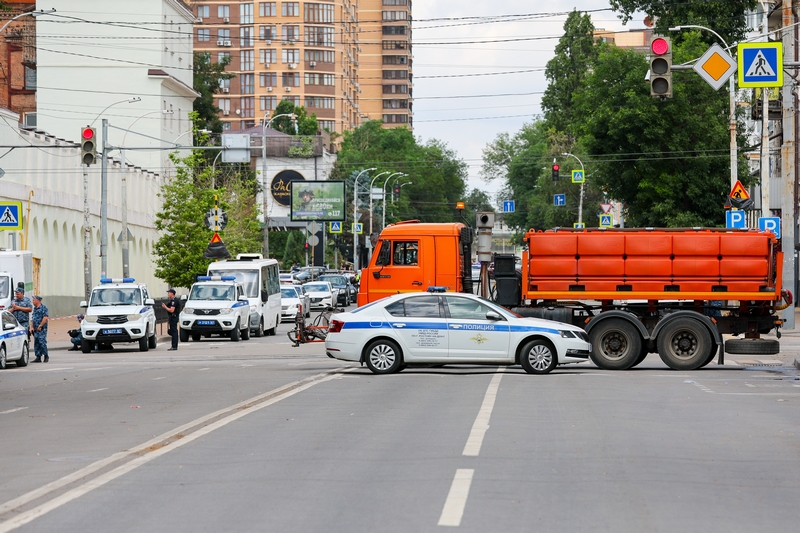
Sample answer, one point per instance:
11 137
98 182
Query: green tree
207 76
306 125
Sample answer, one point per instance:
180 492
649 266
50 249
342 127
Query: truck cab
119 310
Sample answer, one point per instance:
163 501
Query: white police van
215 305
119 310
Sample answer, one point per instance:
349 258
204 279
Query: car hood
319 294
290 301
117 310
210 304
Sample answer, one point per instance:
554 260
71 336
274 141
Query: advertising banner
318 200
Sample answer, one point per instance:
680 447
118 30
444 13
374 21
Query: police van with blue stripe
119 310
216 305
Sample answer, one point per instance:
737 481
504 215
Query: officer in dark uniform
172 307
21 308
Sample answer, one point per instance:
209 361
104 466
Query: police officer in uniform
21 307
173 308
39 318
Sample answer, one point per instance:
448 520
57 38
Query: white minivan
261 281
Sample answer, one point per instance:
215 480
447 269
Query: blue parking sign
772 224
734 218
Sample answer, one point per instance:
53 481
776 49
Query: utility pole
104 203
765 211
788 163
87 237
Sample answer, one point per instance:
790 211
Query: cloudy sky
459 97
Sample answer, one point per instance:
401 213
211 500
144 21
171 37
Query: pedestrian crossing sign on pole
336 227
760 64
11 216
606 221
358 228
577 176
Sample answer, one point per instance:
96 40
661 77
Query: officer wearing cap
173 308
21 307
39 318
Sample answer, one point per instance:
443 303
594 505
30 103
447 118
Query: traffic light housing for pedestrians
661 67
555 171
88 146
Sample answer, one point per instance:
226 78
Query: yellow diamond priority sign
715 66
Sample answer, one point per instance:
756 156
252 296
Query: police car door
419 324
471 335
13 337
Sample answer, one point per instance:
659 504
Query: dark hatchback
338 281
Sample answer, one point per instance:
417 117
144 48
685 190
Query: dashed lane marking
97 390
12 410
457 498
481 424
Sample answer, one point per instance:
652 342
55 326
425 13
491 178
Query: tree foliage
207 75
306 125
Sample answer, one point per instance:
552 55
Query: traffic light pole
87 237
104 202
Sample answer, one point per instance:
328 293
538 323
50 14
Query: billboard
317 200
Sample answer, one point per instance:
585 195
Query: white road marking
481 424
148 451
162 377
457 498
97 390
54 369
748 385
201 369
12 410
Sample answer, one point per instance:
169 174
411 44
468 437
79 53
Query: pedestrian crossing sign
606 221
760 64
358 228
577 176
11 216
336 227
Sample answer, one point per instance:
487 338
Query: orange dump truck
635 291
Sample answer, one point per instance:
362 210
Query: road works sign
715 66
739 192
11 215
760 64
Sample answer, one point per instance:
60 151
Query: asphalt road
261 436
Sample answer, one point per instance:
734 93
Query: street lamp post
264 188
369 239
385 183
355 216
732 98
580 201
29 13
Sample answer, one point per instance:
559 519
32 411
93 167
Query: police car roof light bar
117 280
433 288
216 278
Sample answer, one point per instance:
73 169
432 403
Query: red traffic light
659 46
307 246
556 168
87 133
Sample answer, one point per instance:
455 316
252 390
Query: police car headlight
134 318
90 318
189 311
567 334
226 311
253 308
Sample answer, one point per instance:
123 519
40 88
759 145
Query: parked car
321 293
13 342
476 272
339 282
287 278
303 276
451 328
293 301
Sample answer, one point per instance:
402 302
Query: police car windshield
116 296
213 292
248 278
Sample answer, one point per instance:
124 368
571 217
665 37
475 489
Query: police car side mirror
183 297
83 304
149 301
8 326
243 299
492 315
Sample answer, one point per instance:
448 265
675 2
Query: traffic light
661 67
306 246
88 146
555 172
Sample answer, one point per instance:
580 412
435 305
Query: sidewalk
58 337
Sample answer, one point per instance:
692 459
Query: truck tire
616 344
753 346
684 344
711 354
642 356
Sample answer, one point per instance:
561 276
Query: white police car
13 342
216 305
450 328
119 310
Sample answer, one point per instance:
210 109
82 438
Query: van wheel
143 346
235 333
23 361
260 328
246 333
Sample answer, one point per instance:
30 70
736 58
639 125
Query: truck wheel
616 344
235 334
383 357
184 335
711 354
753 346
538 357
684 344
143 346
642 356
86 346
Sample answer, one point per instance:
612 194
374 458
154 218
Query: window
395 74
224 35
245 13
246 36
466 309
290 33
319 36
394 30
291 79
328 125
224 104
290 9
268 103
269 55
30 81
222 56
405 253
395 119
395 15
226 126
293 99
395 2
290 56
204 35
318 12
268 79
223 12
247 59
267 33
320 56
247 107
267 9
419 306
320 102
395 60
246 81
223 84
395 104
320 79
395 45
203 12
395 89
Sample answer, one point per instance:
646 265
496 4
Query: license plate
205 322
112 331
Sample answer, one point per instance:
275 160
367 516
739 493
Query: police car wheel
235 333
25 357
152 342
143 347
195 337
538 357
2 357
383 356
86 346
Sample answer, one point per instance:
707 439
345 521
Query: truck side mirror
264 296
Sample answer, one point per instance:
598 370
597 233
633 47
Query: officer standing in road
39 319
172 307
21 307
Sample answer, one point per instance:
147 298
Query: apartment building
18 53
327 56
